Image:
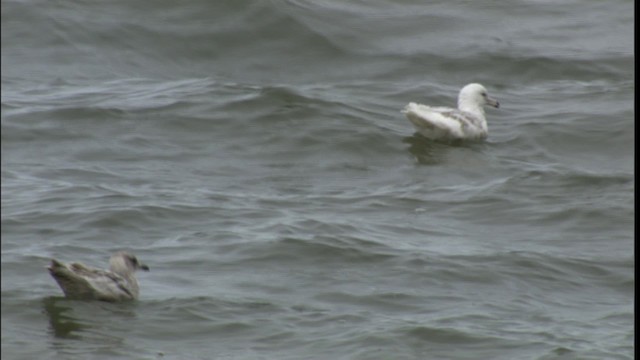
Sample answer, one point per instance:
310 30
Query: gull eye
484 94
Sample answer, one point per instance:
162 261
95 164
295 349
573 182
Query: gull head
125 263
475 95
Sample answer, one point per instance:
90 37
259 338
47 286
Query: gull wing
82 282
434 123
443 123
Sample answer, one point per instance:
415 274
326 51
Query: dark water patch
440 335
552 273
317 249
377 303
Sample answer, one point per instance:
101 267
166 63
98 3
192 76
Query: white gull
467 122
78 281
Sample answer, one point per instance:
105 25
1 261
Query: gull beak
144 267
493 102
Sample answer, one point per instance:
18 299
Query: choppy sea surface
252 153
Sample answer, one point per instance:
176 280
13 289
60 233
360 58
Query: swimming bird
467 122
78 281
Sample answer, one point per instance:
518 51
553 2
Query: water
254 156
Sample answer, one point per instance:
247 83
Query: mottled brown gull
467 122
78 281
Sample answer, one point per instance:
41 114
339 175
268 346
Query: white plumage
467 122
78 281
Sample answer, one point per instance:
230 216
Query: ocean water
252 153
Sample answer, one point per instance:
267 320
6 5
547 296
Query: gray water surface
252 153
